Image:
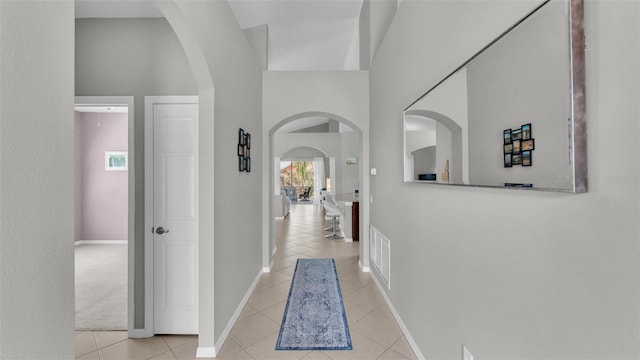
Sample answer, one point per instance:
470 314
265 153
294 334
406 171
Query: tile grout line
170 349
96 342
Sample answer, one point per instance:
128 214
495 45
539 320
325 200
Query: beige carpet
101 287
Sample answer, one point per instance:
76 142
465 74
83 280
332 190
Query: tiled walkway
374 332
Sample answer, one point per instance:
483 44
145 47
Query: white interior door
175 218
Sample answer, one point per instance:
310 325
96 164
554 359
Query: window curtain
318 178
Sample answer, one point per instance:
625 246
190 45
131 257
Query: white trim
365 269
401 324
127 101
267 269
273 253
139 334
148 217
205 352
149 101
101 242
211 351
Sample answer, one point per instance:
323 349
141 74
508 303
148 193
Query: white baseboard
206 352
100 242
365 269
211 351
401 324
268 269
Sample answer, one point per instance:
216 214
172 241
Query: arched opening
331 135
433 147
300 174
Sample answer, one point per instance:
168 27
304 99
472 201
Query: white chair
332 210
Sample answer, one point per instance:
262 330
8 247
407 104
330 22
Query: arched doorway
300 174
422 128
336 137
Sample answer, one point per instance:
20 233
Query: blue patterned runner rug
314 318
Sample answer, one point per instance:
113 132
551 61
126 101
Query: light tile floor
374 332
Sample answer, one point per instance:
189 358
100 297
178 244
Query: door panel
179 191
175 146
179 293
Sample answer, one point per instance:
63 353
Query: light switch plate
374 171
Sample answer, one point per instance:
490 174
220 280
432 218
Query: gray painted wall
258 37
322 128
444 146
512 274
424 161
375 18
132 57
420 139
301 154
382 13
36 187
364 28
350 147
230 201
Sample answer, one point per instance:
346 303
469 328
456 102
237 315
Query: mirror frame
578 141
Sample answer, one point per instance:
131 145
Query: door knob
160 230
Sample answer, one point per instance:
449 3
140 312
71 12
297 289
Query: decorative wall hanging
244 151
116 161
518 146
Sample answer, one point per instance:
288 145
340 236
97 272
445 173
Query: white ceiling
303 34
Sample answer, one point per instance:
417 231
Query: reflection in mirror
455 133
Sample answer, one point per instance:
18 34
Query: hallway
374 332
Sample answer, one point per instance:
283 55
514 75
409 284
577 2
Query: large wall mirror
511 116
